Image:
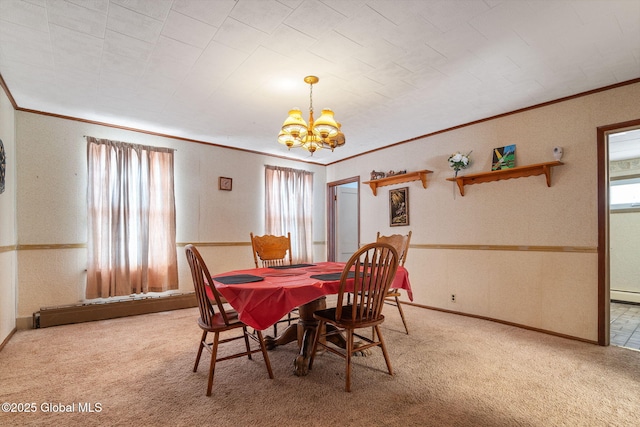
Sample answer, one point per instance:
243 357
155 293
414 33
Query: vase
455 175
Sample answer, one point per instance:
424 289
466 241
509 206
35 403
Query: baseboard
6 340
619 301
504 322
625 296
23 323
55 316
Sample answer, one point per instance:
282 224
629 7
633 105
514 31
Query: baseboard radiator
64 315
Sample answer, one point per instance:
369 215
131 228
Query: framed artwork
225 183
399 207
504 158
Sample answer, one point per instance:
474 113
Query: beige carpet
451 371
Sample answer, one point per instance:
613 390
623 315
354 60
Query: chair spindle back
374 266
399 242
201 282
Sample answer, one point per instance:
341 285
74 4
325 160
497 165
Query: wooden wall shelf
398 179
517 172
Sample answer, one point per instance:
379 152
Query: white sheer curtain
289 196
131 217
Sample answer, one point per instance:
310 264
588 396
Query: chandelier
315 135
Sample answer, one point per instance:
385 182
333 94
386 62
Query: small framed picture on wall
225 183
399 207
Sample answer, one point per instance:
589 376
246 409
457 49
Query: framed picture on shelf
224 183
504 157
399 207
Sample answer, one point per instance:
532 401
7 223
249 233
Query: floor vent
64 315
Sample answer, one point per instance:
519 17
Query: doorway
343 219
624 241
615 143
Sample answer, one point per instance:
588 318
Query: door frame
603 225
331 214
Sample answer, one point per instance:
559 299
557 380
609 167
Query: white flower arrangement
459 161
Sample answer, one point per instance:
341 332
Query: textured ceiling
228 71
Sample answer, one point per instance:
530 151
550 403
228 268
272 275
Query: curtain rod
166 148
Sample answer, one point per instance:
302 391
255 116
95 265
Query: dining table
263 296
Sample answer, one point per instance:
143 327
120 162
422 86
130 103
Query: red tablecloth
261 304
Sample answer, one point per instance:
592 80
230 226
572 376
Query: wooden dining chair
401 245
273 251
374 267
218 321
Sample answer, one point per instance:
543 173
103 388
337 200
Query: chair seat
393 293
329 315
217 322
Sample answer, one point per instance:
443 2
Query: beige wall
52 205
8 235
462 245
549 280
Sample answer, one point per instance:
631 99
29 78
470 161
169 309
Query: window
131 245
289 196
625 193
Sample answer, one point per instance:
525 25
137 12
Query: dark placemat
238 278
284 267
329 277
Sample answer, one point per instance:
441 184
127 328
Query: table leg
307 330
304 332
290 334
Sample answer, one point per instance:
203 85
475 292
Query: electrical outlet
453 297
